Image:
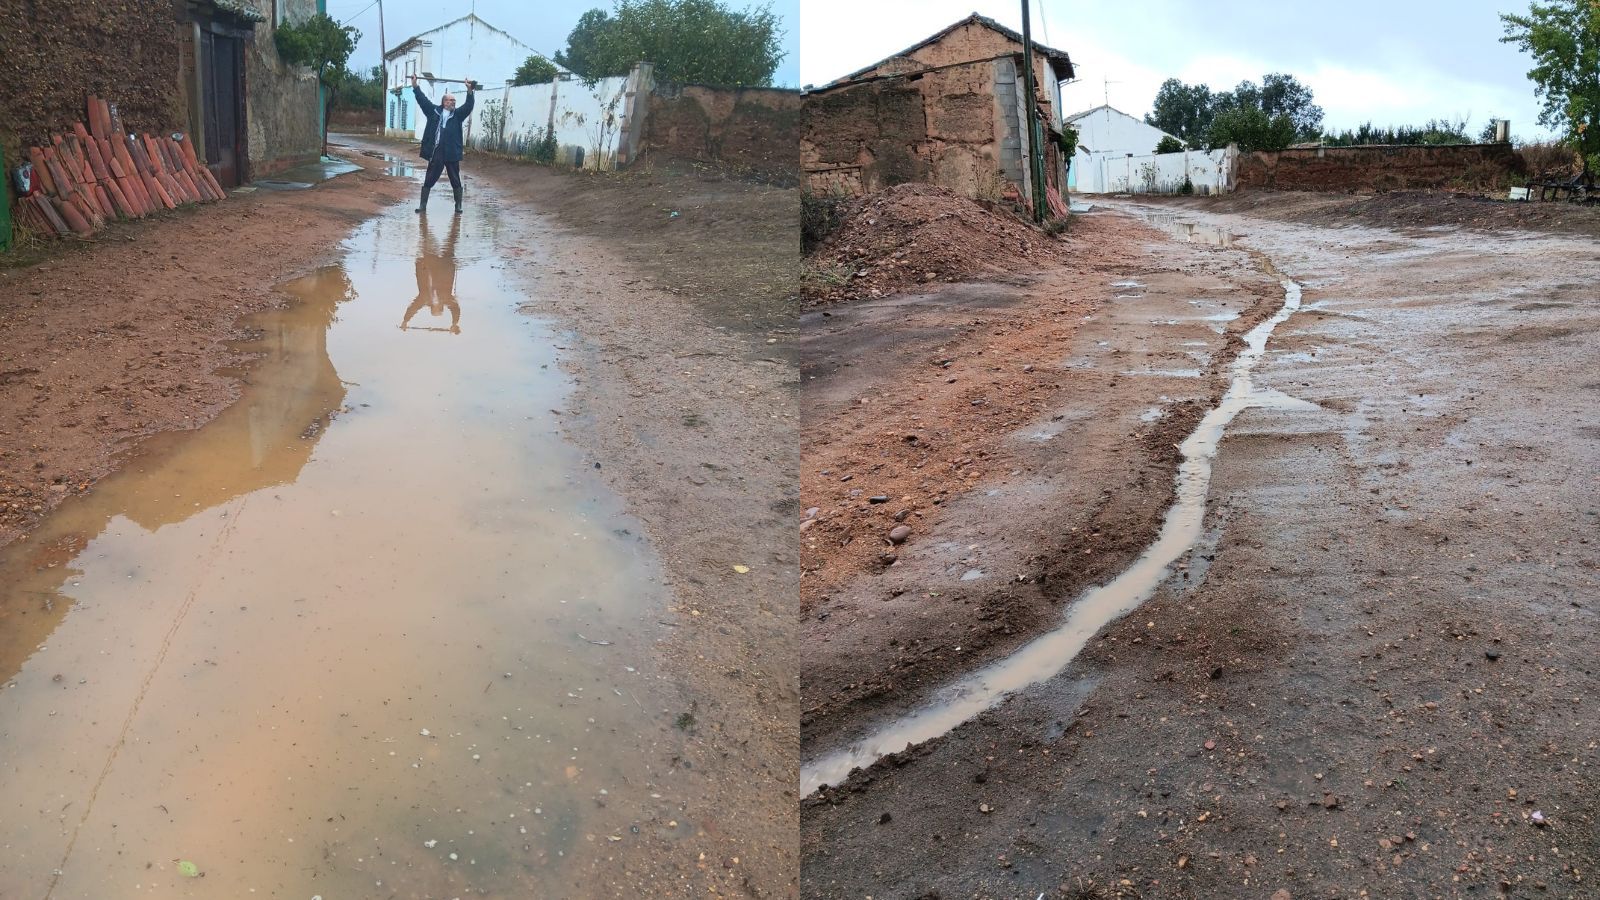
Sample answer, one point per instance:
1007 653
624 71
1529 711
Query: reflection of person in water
436 280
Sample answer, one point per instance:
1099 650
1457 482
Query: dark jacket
447 145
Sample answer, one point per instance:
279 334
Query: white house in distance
1106 138
1117 154
468 47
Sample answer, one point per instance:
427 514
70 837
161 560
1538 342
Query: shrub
535 70
820 216
1549 158
1169 144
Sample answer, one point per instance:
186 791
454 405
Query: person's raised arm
422 99
466 108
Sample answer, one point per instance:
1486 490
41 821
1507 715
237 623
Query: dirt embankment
123 336
911 234
1400 209
1022 438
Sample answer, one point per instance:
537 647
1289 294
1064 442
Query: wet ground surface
377 630
1024 433
1371 677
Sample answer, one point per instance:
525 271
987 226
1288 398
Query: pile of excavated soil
911 234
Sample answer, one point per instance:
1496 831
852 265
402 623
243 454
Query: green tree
1190 111
535 70
1434 131
1184 110
360 92
325 46
1284 95
1564 39
583 54
1169 144
1252 129
700 41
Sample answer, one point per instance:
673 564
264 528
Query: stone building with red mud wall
205 67
949 110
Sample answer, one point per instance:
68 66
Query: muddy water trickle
1049 653
374 631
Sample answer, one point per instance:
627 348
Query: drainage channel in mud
1050 653
375 630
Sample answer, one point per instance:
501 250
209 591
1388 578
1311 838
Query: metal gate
222 68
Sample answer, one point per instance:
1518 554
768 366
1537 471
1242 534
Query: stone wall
54 53
754 129
283 114
968 43
1459 166
955 127
135 54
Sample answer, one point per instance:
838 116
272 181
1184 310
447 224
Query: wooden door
222 59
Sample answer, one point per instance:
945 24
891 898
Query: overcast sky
1393 62
541 24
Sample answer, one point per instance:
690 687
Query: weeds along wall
615 122
586 120
1208 172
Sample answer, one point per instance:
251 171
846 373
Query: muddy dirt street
417 616
1350 670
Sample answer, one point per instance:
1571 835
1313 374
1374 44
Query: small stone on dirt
899 533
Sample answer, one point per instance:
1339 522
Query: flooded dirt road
376 631
1367 676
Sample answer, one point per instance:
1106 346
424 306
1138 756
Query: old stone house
251 115
206 67
948 110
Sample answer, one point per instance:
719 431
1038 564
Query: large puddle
1050 653
375 631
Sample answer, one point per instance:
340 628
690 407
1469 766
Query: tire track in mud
1047 655
144 689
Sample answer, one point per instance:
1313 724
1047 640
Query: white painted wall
592 119
468 47
1211 172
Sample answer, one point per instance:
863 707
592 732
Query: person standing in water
441 139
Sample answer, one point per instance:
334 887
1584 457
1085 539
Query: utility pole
383 48
1035 150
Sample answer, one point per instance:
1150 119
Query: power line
352 18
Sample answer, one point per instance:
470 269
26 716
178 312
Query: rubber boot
423 206
458 201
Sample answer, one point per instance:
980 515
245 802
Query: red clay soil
121 337
909 234
911 408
